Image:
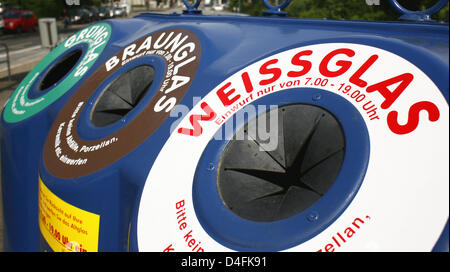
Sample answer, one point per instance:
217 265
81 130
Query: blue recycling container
233 133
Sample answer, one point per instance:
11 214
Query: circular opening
265 182
60 69
122 95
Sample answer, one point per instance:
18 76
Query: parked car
19 20
105 13
79 16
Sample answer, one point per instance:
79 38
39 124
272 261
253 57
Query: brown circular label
66 155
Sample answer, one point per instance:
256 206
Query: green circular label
20 106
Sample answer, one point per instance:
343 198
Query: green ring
20 107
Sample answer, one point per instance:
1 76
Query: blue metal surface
442 245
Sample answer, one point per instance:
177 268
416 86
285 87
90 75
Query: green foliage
341 9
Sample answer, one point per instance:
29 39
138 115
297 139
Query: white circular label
402 204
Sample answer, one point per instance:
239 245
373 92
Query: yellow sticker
64 226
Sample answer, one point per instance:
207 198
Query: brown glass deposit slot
123 95
60 69
269 185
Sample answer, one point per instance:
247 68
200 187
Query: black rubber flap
263 183
122 95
